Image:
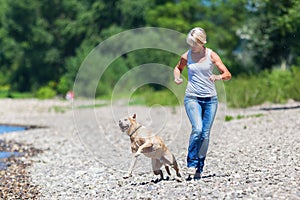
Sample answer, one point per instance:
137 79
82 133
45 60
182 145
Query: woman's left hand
215 78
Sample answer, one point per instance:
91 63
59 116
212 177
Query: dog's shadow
155 181
158 180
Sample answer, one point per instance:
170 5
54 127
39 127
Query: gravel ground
82 154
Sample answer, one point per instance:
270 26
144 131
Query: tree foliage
271 33
43 43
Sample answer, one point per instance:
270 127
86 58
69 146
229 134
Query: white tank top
199 84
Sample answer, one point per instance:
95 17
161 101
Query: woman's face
196 48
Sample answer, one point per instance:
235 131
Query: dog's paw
127 176
137 154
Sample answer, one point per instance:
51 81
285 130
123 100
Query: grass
60 109
147 96
15 95
92 106
229 117
63 109
276 86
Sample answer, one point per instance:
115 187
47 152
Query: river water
5 154
7 128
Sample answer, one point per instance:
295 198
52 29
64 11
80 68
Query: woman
200 100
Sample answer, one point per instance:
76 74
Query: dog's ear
134 116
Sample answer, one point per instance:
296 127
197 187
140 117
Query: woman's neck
198 49
199 54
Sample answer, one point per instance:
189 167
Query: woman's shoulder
212 53
209 50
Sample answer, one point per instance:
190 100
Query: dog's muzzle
122 126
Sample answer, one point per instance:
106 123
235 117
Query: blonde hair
196 36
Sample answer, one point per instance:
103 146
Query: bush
45 92
276 86
4 90
164 98
294 89
148 96
64 85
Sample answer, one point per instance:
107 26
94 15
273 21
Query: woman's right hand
178 80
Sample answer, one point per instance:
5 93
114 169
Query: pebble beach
77 151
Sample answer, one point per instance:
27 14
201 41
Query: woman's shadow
209 176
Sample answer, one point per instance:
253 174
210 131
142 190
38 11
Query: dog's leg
135 157
168 170
169 159
175 166
142 147
132 165
156 165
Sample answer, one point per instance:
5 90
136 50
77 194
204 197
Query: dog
152 146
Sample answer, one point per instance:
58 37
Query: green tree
34 44
271 34
43 43
133 13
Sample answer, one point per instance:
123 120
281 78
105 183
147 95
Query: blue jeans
201 113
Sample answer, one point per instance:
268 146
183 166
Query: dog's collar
135 130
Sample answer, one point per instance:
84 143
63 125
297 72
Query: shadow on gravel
158 180
281 108
207 177
215 175
152 181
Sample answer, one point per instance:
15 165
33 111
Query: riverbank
254 155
